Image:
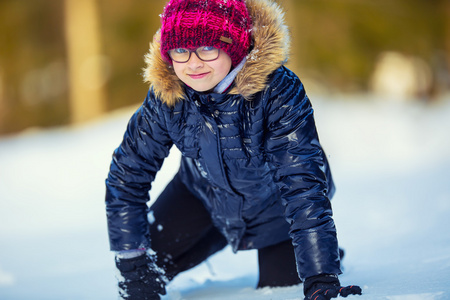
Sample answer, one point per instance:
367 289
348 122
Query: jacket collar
271 42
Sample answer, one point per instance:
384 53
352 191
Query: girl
253 174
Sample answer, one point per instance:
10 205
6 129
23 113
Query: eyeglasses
204 53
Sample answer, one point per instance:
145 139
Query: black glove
142 278
325 287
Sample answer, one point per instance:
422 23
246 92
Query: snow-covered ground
391 163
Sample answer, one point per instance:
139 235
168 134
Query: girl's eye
180 50
208 48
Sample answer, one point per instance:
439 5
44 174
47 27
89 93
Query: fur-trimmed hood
271 43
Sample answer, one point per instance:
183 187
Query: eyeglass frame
194 51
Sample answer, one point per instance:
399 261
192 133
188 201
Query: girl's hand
325 287
141 278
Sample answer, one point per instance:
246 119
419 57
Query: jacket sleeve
302 174
134 165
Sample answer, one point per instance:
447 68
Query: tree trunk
2 101
86 77
289 7
446 7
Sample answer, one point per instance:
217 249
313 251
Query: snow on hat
224 24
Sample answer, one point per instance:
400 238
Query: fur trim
271 43
161 76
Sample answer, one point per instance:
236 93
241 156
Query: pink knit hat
224 24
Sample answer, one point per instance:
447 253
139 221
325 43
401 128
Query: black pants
183 236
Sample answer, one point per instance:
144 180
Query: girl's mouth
198 76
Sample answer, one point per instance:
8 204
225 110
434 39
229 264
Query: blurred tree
3 107
446 9
86 64
32 65
289 7
335 45
339 41
127 29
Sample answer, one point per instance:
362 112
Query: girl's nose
194 62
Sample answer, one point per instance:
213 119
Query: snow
390 160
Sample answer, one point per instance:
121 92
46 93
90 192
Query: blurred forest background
70 61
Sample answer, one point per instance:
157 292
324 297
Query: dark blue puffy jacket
256 164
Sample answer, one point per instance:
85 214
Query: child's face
203 75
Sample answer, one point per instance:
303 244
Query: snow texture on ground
391 163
